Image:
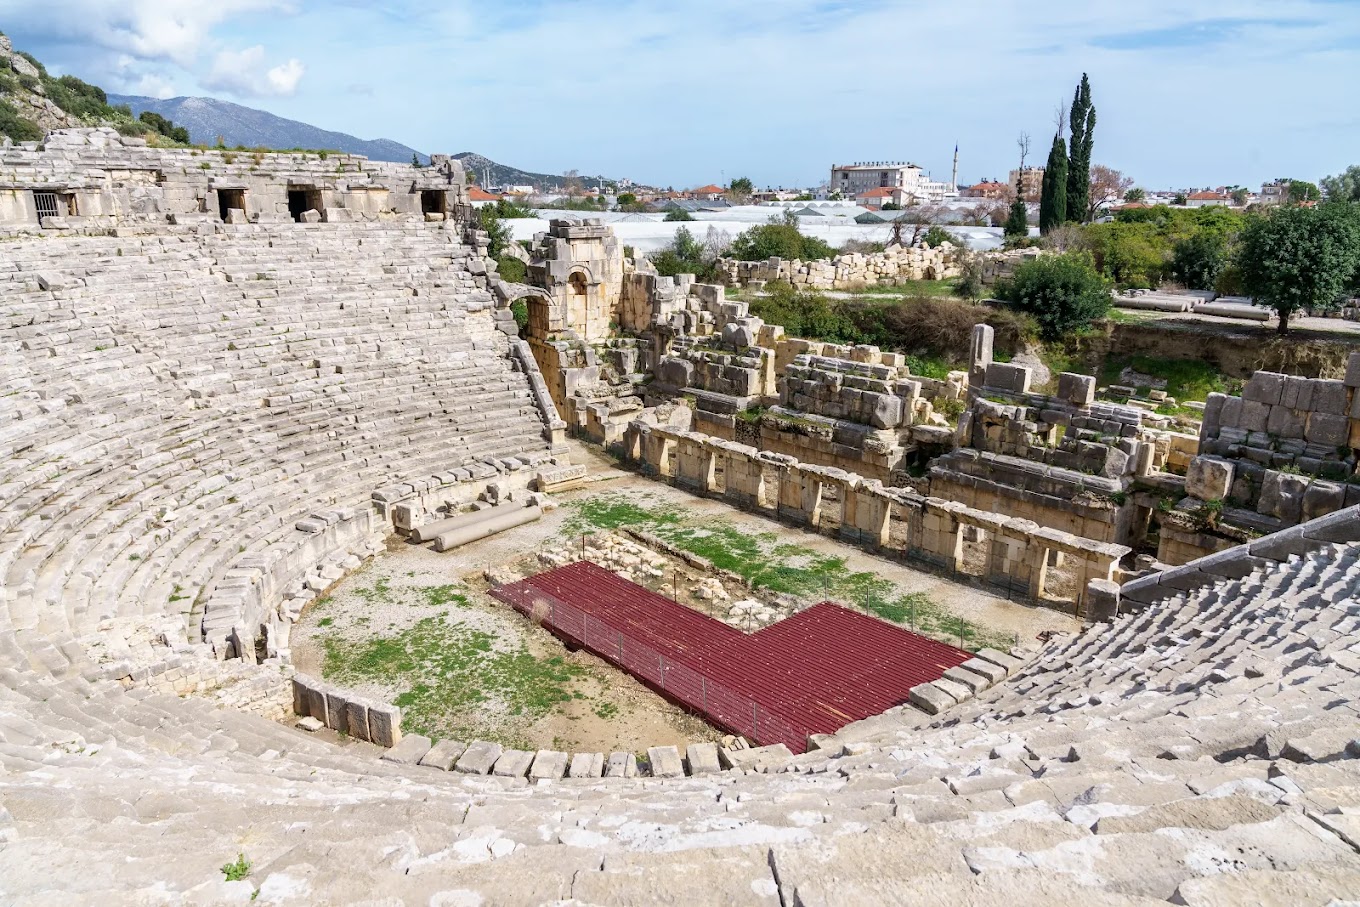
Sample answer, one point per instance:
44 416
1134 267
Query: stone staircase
1201 751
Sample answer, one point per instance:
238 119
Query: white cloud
243 72
150 29
155 86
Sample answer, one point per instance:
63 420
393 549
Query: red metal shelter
810 674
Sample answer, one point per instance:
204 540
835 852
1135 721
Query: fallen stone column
480 530
431 531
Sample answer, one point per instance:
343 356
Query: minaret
954 182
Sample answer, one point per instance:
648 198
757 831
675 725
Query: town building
1034 182
1207 199
853 179
987 189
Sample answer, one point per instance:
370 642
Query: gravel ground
606 709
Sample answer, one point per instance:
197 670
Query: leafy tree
1105 185
1199 259
970 285
687 255
1082 123
1179 199
741 188
1297 258
1130 254
1345 186
678 214
1063 293
496 228
509 210
780 238
1135 195
938 235
1241 196
164 127
1300 191
627 200
1053 198
1017 224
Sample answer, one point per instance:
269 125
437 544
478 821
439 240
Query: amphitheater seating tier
178 400
175 402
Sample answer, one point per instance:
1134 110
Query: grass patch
451 674
1186 379
442 595
913 288
381 591
788 568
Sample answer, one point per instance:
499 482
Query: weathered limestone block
513 764
1329 396
548 765
930 698
675 372
665 762
1264 387
1323 498
702 758
586 765
443 755
384 724
409 750
1209 478
621 765
1011 378
1282 496
357 718
1079 390
479 758
1102 599
1327 429
980 353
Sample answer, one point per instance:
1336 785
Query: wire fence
719 704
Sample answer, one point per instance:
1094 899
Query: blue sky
695 91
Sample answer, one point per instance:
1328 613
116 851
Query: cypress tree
1082 121
1017 224
1053 201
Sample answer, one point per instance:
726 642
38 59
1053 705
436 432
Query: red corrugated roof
810 674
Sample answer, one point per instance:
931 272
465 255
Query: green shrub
938 235
674 215
16 127
1063 293
780 238
520 309
512 269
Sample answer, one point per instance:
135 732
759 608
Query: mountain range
210 120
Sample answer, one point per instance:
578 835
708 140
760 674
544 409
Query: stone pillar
801 496
1012 562
1099 564
743 475
1102 600
865 515
980 354
658 453
695 464
941 538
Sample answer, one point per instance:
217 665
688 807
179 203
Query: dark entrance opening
434 201
55 204
228 199
303 200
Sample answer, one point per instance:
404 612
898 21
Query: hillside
486 172
210 120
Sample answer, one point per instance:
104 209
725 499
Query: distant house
708 193
874 199
987 189
478 197
1207 199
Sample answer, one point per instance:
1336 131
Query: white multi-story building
851 180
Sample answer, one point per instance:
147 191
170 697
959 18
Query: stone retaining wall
848 271
929 530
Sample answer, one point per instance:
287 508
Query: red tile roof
1207 196
476 194
884 192
709 190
